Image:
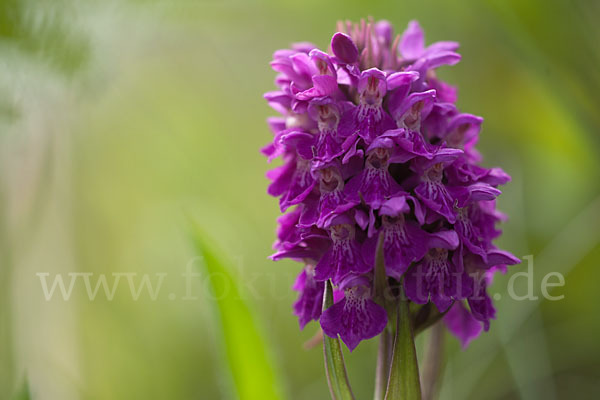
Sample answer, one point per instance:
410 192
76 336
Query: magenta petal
501 257
395 206
323 85
462 324
412 43
481 305
403 78
343 257
280 178
443 58
442 46
403 243
384 31
444 240
436 197
441 300
310 298
344 48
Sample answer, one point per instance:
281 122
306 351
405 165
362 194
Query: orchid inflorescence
377 158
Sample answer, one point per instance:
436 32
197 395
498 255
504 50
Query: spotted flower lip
356 317
375 150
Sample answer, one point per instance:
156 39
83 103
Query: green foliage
42 30
23 393
246 349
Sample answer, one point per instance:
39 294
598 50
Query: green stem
335 369
380 295
404 382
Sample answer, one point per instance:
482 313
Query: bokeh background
121 121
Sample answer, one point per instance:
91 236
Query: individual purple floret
309 303
374 150
356 317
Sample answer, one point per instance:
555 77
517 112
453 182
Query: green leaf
337 378
247 355
404 373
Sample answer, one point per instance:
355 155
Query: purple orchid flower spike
381 181
357 317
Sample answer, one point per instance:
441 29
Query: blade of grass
337 378
23 393
251 368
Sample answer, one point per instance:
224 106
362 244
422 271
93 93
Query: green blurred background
120 121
